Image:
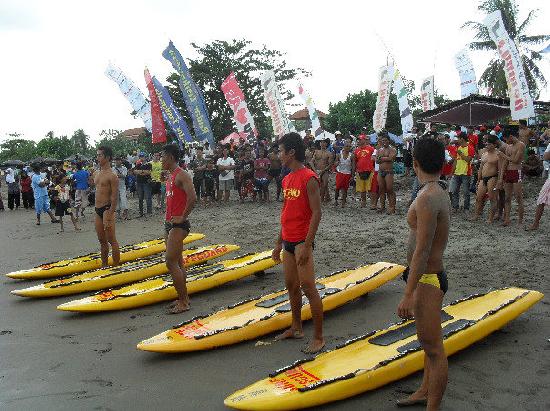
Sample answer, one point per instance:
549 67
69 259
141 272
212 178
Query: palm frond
482 45
534 40
532 14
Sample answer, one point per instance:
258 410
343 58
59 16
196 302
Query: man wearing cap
364 167
142 170
338 144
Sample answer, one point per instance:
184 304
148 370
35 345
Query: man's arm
113 182
313 194
184 182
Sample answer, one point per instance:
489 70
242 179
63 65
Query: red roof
303 114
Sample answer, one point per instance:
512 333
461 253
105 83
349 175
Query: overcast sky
54 53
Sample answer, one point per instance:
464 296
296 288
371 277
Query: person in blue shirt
41 199
337 146
82 184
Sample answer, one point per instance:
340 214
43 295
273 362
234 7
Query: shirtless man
487 178
525 133
428 219
385 156
322 162
511 153
180 200
106 198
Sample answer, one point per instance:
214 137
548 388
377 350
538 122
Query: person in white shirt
226 167
544 196
121 172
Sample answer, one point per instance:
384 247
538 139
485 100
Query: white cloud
54 53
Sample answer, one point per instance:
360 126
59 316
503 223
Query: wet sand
55 360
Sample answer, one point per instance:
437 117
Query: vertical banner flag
468 84
235 97
281 123
405 113
385 77
159 129
521 103
315 123
132 93
427 94
191 96
171 114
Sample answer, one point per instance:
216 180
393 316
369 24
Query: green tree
122 146
212 66
80 142
16 148
54 147
493 78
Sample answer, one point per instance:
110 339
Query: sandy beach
55 360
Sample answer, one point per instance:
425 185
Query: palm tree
493 78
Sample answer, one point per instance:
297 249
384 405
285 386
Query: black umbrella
49 160
13 163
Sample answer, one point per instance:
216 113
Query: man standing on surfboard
300 219
106 198
180 200
428 219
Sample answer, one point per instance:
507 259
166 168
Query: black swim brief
291 246
101 210
438 280
185 226
384 173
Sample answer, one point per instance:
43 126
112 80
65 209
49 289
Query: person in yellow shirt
156 183
462 173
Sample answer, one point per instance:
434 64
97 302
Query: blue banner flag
192 96
171 114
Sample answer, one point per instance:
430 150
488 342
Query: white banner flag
405 113
140 105
281 123
385 77
427 94
521 103
468 84
315 123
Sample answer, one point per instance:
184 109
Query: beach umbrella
49 160
37 160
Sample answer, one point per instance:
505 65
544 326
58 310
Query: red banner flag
241 114
159 130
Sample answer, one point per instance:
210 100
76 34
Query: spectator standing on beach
198 165
82 186
261 176
544 196
40 185
26 191
385 157
344 172
511 153
63 203
364 168
142 171
226 166
13 189
275 168
121 172
460 182
156 169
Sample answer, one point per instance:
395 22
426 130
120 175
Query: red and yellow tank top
296 214
176 198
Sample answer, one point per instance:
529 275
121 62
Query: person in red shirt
26 190
300 219
180 200
473 138
364 167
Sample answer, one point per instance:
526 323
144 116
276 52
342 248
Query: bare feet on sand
314 346
290 333
178 307
417 398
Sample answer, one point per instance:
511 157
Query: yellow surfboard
123 274
93 260
258 316
375 359
160 288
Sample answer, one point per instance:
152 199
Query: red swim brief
511 176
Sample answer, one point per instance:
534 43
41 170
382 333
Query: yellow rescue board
258 316
160 288
123 274
375 359
93 261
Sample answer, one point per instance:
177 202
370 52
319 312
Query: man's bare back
525 134
433 196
